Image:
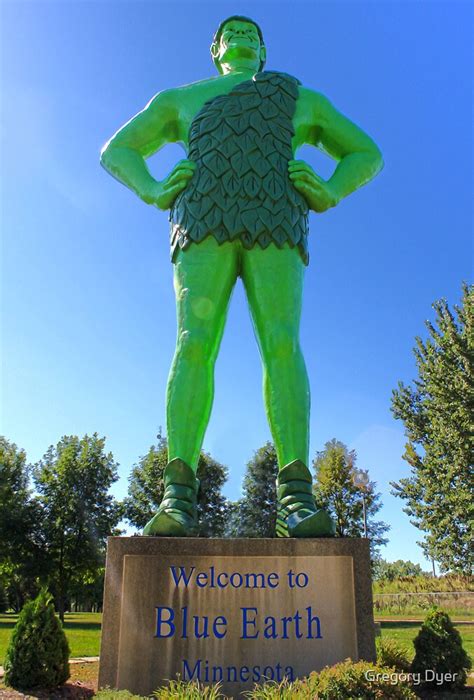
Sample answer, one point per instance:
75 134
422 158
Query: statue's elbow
378 159
105 156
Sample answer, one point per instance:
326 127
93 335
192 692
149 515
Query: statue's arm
124 155
359 158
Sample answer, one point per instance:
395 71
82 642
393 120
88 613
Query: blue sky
88 319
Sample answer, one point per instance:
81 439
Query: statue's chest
248 129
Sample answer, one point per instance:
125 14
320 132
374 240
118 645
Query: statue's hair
240 18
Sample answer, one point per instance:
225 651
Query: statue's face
238 39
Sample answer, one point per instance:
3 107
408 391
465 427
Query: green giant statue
239 207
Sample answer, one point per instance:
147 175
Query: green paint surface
239 204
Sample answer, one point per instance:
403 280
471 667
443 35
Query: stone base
250 609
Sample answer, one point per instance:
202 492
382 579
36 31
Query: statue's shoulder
195 93
313 99
310 94
198 85
313 109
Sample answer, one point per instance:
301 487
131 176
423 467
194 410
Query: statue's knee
282 344
194 345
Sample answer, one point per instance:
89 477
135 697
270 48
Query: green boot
297 515
177 514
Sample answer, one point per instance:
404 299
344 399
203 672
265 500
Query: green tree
77 511
38 652
254 515
21 550
437 411
146 488
87 593
391 570
336 491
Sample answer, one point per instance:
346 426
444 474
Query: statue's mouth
240 39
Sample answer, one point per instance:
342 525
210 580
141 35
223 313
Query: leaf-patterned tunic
241 143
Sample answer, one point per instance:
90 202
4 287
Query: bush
438 648
179 690
298 690
344 681
391 655
363 680
38 653
174 691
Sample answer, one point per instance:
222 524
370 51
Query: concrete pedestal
236 611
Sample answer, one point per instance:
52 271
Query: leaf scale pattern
241 143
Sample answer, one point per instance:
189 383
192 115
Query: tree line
56 515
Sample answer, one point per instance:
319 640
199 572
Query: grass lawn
405 632
82 630
417 614
83 633
463 615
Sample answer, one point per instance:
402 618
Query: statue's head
238 38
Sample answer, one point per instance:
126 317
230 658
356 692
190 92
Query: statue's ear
263 54
214 49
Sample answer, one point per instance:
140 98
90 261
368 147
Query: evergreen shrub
38 652
438 648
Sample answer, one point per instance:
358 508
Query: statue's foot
304 523
297 515
177 514
170 523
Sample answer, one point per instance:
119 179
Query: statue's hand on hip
163 192
318 192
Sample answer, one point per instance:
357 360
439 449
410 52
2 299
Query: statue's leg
273 280
204 276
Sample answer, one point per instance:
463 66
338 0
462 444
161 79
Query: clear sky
88 319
